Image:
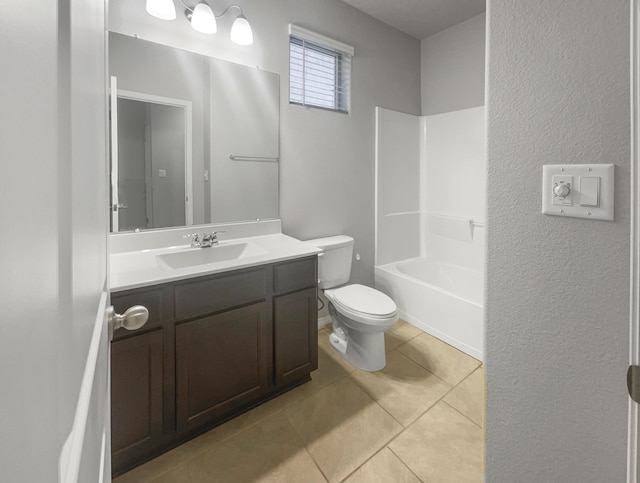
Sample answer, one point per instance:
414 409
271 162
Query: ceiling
420 18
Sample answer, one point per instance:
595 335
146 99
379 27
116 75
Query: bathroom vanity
221 338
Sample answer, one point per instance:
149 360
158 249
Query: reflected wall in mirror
194 139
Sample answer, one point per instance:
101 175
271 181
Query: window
320 70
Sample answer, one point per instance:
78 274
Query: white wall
557 288
453 67
52 146
327 159
455 191
397 186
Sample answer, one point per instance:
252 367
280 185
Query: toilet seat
363 304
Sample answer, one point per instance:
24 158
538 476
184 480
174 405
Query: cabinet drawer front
220 293
151 299
295 275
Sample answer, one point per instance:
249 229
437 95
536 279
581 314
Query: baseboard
324 321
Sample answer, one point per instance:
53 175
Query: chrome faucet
210 239
195 243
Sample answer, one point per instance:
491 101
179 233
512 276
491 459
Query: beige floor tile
341 427
384 467
329 371
469 397
399 334
443 360
270 451
442 446
325 347
404 388
163 463
205 441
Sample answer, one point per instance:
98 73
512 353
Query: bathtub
440 298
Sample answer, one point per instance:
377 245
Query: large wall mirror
193 139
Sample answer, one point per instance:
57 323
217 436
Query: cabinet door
222 364
296 336
136 397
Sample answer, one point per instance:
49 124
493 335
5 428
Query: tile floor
420 419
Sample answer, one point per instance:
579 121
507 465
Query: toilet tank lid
337 241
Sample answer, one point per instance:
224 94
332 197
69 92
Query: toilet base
364 351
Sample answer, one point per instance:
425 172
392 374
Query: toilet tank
334 264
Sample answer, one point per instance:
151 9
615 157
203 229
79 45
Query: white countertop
141 268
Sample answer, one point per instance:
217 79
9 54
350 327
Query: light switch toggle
589 190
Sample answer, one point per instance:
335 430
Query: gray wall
453 67
245 120
557 293
327 159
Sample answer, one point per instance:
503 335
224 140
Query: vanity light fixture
164 9
202 18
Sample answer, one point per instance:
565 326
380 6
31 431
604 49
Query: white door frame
187 107
113 124
633 446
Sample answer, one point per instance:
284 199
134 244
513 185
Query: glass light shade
203 19
164 9
241 31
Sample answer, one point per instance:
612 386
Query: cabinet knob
134 318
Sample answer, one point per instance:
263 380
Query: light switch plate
604 173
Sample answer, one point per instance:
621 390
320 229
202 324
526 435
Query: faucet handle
196 238
210 239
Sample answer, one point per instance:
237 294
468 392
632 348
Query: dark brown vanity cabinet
214 347
138 379
295 344
222 363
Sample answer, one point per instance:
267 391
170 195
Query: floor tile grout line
404 464
306 449
363 463
463 415
375 401
426 368
455 387
422 413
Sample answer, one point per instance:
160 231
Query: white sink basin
193 257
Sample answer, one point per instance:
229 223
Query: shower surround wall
430 186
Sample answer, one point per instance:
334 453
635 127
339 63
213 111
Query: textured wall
557 288
453 67
327 159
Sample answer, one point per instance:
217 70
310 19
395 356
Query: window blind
320 70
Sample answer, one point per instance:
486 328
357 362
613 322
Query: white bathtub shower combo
430 212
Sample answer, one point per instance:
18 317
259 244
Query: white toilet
360 315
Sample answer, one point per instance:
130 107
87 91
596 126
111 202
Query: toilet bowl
359 314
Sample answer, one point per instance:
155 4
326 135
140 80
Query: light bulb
164 9
241 31
203 19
